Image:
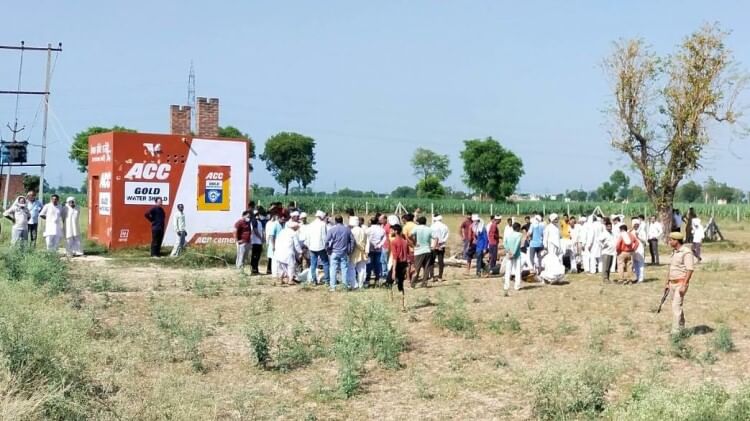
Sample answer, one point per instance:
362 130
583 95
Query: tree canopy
231 132
404 191
689 192
427 163
290 157
31 182
430 188
491 169
79 150
664 105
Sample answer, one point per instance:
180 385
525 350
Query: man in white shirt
655 231
440 235
180 229
53 215
72 228
551 237
315 241
287 252
606 241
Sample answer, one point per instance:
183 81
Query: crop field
121 336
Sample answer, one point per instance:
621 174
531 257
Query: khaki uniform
680 264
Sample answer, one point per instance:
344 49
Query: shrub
283 349
102 282
508 324
260 345
570 391
45 348
451 314
656 402
678 345
39 267
723 339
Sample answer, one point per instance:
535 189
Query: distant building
15 188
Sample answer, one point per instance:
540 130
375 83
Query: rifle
663 298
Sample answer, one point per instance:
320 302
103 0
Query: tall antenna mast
191 94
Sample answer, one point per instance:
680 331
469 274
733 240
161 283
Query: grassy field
124 337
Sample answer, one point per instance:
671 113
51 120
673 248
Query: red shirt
387 229
494 234
399 249
243 230
466 232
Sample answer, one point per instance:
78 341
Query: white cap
475 217
320 214
553 217
437 218
353 221
393 220
635 221
538 218
295 213
303 215
70 199
498 217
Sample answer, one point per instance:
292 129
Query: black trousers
438 255
401 268
157 236
653 247
255 257
268 266
32 233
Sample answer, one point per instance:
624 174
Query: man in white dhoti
72 228
593 244
552 238
53 215
287 252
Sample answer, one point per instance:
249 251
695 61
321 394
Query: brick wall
15 188
207 111
180 119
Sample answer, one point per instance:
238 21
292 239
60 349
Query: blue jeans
314 256
338 261
384 255
373 266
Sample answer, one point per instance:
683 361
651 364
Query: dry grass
441 375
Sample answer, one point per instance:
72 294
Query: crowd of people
61 222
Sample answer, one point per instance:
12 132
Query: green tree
231 132
290 157
427 163
260 191
607 191
31 182
664 105
637 195
491 169
722 191
689 192
404 191
430 188
622 182
577 195
79 150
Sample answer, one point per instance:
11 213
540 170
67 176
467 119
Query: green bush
705 402
723 339
678 345
45 348
451 314
260 345
570 391
507 324
39 267
276 347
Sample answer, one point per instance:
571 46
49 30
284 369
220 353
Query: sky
369 81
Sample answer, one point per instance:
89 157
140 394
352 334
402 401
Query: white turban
70 199
582 219
696 222
293 214
353 221
303 215
320 214
635 221
475 217
393 220
553 217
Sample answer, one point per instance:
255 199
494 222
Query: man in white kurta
287 252
359 255
54 215
72 228
552 242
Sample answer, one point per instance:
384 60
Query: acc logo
152 149
150 171
215 176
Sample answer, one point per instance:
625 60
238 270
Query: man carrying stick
681 268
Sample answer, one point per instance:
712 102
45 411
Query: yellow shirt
681 263
564 230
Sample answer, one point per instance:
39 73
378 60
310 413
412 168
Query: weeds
723 339
183 338
39 267
678 345
507 324
102 282
597 333
202 288
275 348
570 391
716 266
451 314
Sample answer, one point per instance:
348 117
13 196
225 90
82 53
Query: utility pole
191 95
44 126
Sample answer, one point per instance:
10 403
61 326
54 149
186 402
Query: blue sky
370 81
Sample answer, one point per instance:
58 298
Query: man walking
53 215
422 239
681 267
242 234
606 243
315 240
156 216
512 245
440 235
180 229
35 207
655 231
339 243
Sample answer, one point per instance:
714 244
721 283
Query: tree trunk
286 189
665 216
